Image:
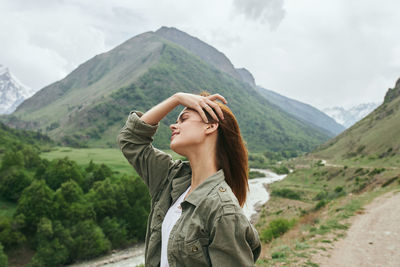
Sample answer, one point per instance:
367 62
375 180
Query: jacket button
158 216
194 248
222 189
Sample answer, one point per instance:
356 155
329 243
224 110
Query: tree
103 196
60 171
95 173
10 236
31 157
35 202
70 204
115 231
133 205
12 158
89 240
14 181
53 244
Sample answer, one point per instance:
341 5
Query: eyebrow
179 118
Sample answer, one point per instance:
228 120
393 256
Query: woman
196 217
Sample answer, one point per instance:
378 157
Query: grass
110 156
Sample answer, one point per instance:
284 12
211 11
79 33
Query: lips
173 134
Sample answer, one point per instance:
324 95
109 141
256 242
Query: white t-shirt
172 216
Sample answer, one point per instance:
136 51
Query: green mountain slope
304 112
10 137
90 105
374 138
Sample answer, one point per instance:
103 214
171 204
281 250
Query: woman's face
188 131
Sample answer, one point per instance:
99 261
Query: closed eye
181 119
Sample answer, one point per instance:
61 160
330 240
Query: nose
173 126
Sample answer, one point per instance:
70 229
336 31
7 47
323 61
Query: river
134 256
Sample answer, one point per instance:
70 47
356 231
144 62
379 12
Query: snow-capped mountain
12 92
348 117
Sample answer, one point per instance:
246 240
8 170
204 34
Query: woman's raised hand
198 102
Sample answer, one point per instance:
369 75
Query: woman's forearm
158 112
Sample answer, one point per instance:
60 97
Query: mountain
374 138
303 112
12 92
89 106
347 117
199 48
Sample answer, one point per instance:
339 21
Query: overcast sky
324 53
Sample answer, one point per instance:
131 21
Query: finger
211 111
207 108
217 96
200 110
216 108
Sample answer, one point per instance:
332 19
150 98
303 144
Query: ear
211 127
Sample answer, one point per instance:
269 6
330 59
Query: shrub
359 170
280 170
275 229
286 193
321 195
338 189
320 204
376 171
256 174
391 180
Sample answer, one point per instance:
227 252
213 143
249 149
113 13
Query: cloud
324 53
265 11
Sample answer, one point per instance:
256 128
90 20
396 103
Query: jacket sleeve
135 141
234 242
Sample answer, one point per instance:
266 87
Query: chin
176 149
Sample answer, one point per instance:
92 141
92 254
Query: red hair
232 154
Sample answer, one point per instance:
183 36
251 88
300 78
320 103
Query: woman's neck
203 165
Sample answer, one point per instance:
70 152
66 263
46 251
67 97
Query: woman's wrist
158 112
176 98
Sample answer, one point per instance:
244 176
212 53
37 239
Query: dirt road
373 238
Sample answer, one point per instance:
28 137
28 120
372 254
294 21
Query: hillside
374 138
303 112
10 137
90 105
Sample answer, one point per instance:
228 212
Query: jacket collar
198 194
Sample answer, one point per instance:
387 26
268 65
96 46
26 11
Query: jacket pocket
196 252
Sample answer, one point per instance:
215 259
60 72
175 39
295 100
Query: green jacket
212 230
